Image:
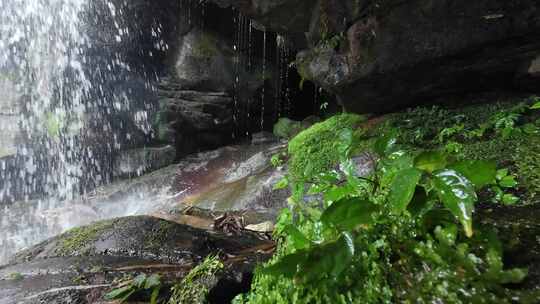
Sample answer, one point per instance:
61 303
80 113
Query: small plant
141 283
504 181
16 276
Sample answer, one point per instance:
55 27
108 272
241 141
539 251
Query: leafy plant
504 181
348 240
141 283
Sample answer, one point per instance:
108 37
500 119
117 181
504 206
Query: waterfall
75 101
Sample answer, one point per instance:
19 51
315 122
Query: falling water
263 90
72 105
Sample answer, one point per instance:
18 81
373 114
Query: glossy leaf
431 161
403 187
139 281
457 194
347 214
508 181
479 172
386 143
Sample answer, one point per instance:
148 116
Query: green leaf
402 188
508 181
152 281
286 266
120 293
531 129
501 173
479 172
457 194
509 199
298 239
347 214
139 281
154 296
282 184
431 161
535 106
386 143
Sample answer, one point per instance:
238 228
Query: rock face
395 53
136 162
82 265
193 120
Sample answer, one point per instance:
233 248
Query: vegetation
194 287
75 240
404 233
141 284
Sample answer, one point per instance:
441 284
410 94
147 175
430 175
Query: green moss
195 286
75 240
316 149
287 128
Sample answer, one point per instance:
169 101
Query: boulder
83 264
194 121
381 55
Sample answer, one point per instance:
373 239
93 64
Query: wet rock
276 15
194 121
381 55
82 265
136 162
263 138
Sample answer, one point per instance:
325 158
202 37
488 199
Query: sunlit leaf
457 194
431 161
403 187
535 106
347 214
479 172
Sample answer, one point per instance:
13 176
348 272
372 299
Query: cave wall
376 56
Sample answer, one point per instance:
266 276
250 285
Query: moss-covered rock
316 149
287 128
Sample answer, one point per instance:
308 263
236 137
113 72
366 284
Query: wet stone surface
80 266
